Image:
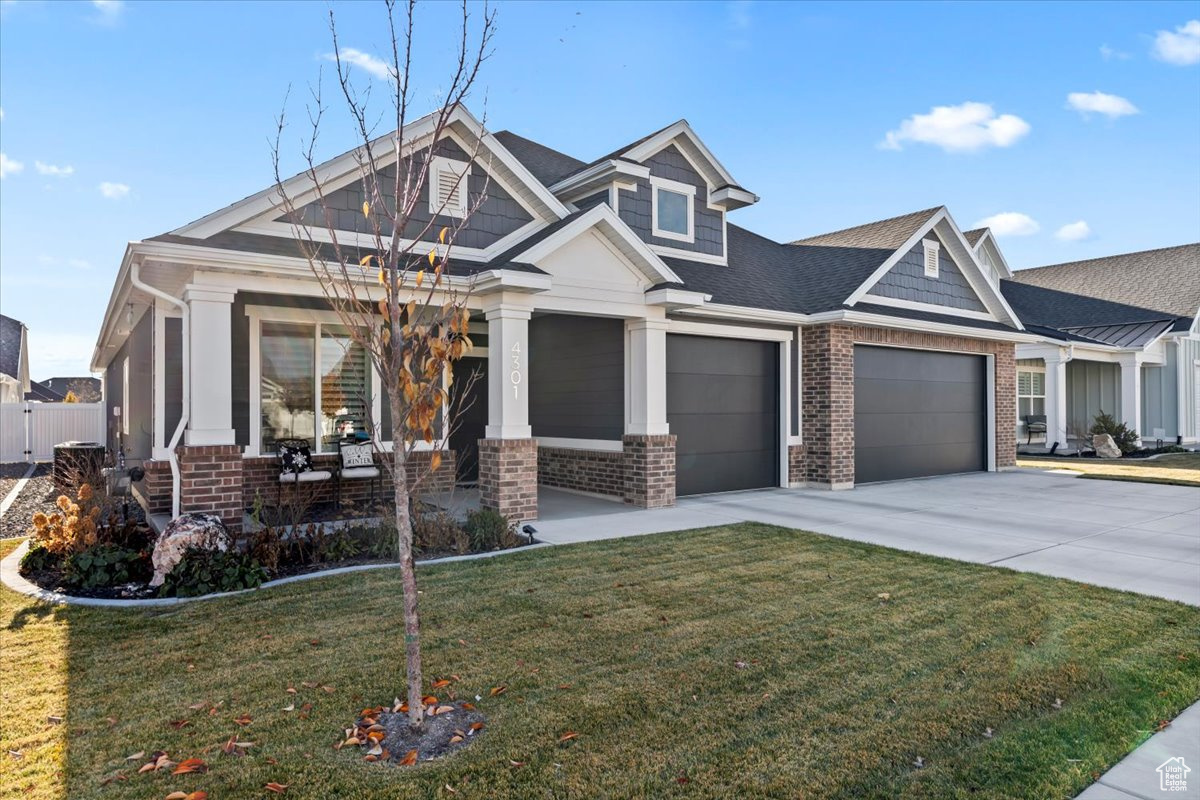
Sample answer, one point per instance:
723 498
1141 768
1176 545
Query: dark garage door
918 413
723 407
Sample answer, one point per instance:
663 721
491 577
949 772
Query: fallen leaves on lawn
517 764
440 684
568 736
409 759
138 756
289 707
243 719
189 765
158 760
277 788
498 690
235 748
884 596
178 724
54 719
197 795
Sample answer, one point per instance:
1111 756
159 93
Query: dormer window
932 249
448 187
673 209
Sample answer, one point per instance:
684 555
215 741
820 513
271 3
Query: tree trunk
408 576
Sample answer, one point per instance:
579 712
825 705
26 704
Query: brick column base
796 465
210 478
154 490
649 470
508 477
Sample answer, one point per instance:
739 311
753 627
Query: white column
1131 392
508 372
1056 400
210 418
647 373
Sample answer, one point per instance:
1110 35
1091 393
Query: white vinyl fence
29 431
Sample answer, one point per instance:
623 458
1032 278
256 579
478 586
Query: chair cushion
305 477
294 459
357 455
361 472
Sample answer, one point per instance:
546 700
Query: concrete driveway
1135 536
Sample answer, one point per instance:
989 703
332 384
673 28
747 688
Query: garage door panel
701 394
918 413
723 408
872 396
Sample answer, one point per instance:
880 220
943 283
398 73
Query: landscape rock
1105 446
202 531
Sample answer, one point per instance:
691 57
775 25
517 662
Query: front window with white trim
314 384
1031 393
448 187
673 206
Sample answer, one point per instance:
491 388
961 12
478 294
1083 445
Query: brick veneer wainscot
508 477
153 492
796 465
828 393
594 471
649 470
210 480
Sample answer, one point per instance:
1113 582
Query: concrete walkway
1139 537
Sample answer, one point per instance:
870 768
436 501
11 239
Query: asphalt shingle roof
1167 279
884 234
1075 317
547 165
10 346
974 236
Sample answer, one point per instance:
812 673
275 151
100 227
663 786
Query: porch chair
295 462
356 462
1034 423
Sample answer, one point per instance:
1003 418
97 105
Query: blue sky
125 120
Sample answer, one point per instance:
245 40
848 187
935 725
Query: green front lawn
728 662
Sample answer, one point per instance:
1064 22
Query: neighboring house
14 360
666 350
86 389
41 393
1119 334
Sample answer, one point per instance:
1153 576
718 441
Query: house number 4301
514 377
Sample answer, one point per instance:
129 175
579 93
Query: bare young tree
396 296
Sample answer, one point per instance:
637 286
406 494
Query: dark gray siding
907 281
139 405
173 354
635 207
577 377
499 215
592 200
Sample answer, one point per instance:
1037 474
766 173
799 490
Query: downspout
185 341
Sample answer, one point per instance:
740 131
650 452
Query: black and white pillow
295 459
357 455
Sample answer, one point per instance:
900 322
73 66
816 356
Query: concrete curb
11 577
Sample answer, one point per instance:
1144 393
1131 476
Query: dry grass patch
1179 469
737 661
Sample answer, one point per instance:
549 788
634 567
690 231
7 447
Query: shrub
202 572
1125 437
488 530
439 530
106 565
39 559
71 529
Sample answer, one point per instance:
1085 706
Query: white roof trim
1003 262
605 220
341 170
599 174
716 175
968 265
675 299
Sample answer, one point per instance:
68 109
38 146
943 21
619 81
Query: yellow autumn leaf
420 277
381 278
366 209
442 235
435 460
365 261
432 257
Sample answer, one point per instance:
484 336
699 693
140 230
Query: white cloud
961 128
1010 223
47 260
1073 232
1110 105
109 9
8 166
113 191
52 169
1181 47
364 61
1108 54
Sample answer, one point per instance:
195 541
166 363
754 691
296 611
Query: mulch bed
39 494
384 735
1143 453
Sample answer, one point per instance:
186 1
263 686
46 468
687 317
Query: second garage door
723 407
918 413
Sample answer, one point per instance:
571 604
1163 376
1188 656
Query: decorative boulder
1105 446
203 531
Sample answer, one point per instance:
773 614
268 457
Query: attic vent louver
931 257
448 192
